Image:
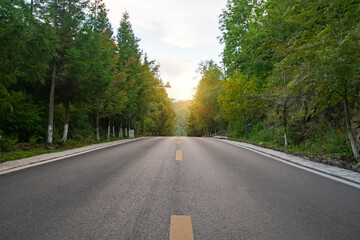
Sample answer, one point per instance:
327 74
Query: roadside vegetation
182 112
290 77
24 149
66 80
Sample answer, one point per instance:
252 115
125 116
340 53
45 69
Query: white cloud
181 23
177 33
171 68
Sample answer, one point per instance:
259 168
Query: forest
66 78
182 113
289 78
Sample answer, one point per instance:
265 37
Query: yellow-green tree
241 101
205 118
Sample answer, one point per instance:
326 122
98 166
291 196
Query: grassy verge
25 150
329 144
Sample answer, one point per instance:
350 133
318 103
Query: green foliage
32 44
204 116
35 139
127 42
7 143
98 80
25 119
243 48
160 117
182 111
294 63
241 99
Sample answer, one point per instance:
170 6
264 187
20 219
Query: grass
310 152
25 150
19 154
332 143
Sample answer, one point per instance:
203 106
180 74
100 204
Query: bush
24 120
35 139
335 142
7 144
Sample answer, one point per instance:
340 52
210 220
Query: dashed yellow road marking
178 142
181 228
178 155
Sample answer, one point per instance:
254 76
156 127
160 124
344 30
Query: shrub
24 120
7 144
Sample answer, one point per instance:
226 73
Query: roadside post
131 133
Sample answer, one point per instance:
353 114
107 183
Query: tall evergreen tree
27 45
129 64
67 16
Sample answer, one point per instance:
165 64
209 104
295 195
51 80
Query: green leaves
95 74
27 45
241 98
204 112
300 57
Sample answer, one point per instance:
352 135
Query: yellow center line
181 228
178 155
178 142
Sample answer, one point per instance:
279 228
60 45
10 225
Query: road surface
175 188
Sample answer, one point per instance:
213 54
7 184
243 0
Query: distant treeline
291 76
182 112
63 74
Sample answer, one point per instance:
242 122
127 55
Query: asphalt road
131 191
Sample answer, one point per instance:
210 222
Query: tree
327 54
130 65
241 101
182 111
237 22
90 66
67 17
204 112
28 43
302 56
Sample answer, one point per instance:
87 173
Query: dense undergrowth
321 140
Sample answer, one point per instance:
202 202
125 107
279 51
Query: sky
178 34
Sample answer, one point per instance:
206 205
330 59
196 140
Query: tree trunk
66 126
32 6
52 94
51 105
348 127
305 119
142 125
126 133
113 130
121 131
96 7
97 126
285 124
108 135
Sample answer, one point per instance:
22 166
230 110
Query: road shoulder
322 169
19 164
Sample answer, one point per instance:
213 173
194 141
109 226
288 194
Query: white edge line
301 167
33 164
